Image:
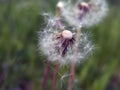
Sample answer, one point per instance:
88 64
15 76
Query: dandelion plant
70 46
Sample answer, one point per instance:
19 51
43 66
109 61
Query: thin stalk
54 80
72 71
46 74
55 72
71 78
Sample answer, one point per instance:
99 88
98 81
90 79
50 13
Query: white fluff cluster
90 13
47 45
97 12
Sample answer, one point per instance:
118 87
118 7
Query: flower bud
60 5
67 34
84 6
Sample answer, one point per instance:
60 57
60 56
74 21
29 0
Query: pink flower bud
67 34
84 6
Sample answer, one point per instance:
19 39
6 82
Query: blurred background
22 64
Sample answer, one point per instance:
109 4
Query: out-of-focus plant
21 67
63 45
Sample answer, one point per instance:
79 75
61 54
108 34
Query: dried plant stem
71 78
46 74
55 75
72 71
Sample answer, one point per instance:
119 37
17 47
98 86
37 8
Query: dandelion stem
55 76
71 78
72 71
46 74
55 72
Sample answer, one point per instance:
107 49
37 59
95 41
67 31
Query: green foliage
20 21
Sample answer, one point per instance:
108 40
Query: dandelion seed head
57 43
47 44
97 10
